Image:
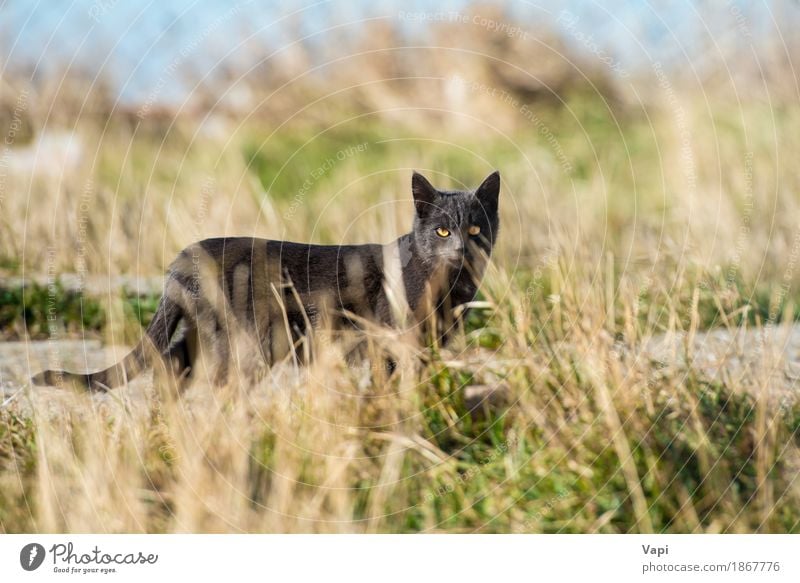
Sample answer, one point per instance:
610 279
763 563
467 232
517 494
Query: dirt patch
21 360
762 361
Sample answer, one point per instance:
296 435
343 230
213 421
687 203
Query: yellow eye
474 230
442 232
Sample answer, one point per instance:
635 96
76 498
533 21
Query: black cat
276 290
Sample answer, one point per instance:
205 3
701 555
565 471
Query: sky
134 43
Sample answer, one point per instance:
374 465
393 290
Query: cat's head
454 226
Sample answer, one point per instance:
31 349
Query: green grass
39 311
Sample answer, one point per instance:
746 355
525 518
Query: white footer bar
401 558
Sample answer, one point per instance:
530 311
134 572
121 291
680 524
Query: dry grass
615 229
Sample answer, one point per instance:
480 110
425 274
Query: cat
277 291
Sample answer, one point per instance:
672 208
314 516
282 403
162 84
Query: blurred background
648 152
130 131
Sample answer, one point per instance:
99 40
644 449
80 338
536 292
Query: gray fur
275 290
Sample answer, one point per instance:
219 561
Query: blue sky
133 43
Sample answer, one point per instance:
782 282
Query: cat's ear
488 192
424 194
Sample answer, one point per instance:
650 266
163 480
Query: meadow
630 214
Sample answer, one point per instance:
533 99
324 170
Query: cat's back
306 264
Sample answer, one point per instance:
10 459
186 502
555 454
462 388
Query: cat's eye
442 232
474 230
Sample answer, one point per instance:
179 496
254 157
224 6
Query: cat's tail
100 381
155 341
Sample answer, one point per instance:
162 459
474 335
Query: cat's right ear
424 194
488 193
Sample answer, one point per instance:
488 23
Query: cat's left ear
488 192
424 194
